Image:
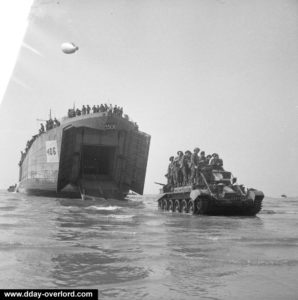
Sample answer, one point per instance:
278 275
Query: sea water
131 250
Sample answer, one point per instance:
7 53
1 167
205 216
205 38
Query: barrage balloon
69 48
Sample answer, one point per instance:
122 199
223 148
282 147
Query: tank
215 193
100 155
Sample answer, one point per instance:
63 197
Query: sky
220 75
13 23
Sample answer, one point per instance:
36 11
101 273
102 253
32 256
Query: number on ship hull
110 126
52 151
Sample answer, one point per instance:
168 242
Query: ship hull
37 187
98 155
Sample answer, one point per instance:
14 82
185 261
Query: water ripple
132 250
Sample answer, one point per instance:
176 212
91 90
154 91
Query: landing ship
98 154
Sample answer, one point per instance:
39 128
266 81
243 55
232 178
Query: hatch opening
97 160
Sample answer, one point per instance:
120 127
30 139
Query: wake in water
103 208
115 212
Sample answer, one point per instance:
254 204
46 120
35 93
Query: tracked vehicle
214 193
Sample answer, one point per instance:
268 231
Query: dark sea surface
132 250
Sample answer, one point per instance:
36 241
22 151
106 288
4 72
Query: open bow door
137 157
70 157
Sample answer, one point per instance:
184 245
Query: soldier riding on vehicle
196 187
178 163
186 171
170 174
194 162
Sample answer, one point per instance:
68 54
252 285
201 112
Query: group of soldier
28 145
103 108
110 109
51 123
184 169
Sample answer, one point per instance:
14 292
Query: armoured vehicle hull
213 194
97 154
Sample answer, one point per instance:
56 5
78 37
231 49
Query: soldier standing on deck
78 112
102 108
56 123
88 109
51 123
41 130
